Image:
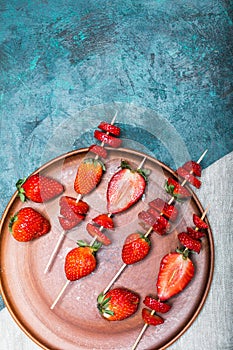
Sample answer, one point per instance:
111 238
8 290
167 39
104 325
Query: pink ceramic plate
75 322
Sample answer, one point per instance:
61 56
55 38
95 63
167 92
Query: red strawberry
68 224
125 188
196 234
135 248
189 242
105 221
198 222
189 177
161 224
28 224
88 175
112 129
176 271
108 139
99 150
176 190
194 167
151 319
156 305
168 210
38 188
69 208
118 304
100 236
81 261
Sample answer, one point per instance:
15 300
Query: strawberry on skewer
87 178
167 210
176 272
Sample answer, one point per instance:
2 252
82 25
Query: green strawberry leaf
144 173
12 220
125 165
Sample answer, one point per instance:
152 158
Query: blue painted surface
61 57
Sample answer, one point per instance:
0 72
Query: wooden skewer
62 235
60 294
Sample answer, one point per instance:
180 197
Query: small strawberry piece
176 190
194 167
194 233
108 139
80 261
99 150
150 319
100 236
161 224
189 177
189 242
69 208
168 210
135 248
68 224
112 129
118 304
38 188
105 221
156 305
176 272
198 222
147 217
28 224
125 188
88 176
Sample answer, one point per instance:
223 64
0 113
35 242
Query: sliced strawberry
135 248
198 222
112 129
176 271
151 319
125 188
99 150
189 242
105 221
67 224
189 177
195 234
146 217
194 167
69 208
168 210
108 139
156 305
176 190
100 236
161 224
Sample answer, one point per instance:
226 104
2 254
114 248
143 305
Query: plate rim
84 150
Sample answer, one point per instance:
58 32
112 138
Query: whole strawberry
38 188
88 176
28 224
118 304
81 261
135 248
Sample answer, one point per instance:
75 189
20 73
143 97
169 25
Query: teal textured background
60 57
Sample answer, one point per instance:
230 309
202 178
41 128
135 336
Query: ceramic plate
75 322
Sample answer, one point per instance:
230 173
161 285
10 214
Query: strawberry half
88 176
99 235
105 221
151 319
118 304
199 223
135 248
176 272
125 188
28 224
38 188
156 305
175 189
189 242
81 261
